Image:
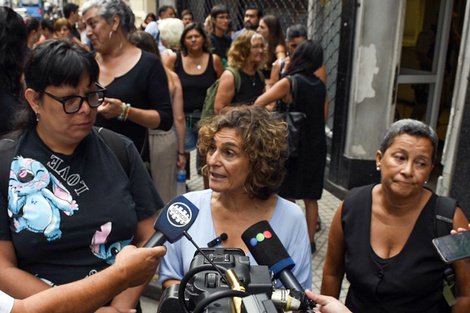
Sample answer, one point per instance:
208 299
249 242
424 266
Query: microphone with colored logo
267 249
176 217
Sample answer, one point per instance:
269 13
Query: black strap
291 80
117 145
443 224
445 211
8 145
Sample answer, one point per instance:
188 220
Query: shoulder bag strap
291 92
118 146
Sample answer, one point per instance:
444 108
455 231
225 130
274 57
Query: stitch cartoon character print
31 204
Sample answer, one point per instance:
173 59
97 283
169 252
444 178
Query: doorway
428 64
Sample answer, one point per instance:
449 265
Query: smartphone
452 248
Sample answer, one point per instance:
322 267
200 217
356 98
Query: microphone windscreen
177 216
223 237
266 247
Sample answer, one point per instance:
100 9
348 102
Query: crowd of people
99 114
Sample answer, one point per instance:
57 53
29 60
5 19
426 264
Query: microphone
267 249
217 240
176 217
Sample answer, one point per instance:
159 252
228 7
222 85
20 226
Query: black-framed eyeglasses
73 104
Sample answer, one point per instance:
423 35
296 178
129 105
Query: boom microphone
267 249
176 217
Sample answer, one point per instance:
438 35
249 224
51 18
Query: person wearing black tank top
247 56
197 69
381 235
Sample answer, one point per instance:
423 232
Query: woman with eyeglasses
138 96
71 195
246 56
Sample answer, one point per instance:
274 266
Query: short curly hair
264 136
241 48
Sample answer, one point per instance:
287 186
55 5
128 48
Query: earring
378 169
110 34
37 117
425 182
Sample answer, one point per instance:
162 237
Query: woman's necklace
199 66
253 80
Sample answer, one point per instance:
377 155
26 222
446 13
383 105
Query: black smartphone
452 248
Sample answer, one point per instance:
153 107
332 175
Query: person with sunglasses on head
71 195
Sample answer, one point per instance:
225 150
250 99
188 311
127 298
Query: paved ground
327 207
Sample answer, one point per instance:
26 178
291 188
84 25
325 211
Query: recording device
452 248
217 240
202 287
176 217
267 249
222 280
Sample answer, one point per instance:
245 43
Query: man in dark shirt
71 14
251 21
219 38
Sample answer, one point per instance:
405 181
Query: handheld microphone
217 240
267 249
176 217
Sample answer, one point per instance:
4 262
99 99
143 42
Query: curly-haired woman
245 149
246 55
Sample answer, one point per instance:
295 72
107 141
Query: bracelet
179 153
126 108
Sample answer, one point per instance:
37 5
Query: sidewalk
327 207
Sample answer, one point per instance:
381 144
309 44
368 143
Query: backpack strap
117 145
8 146
237 77
445 211
443 224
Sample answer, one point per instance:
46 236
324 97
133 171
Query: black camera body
206 282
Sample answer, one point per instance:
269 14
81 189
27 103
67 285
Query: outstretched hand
326 304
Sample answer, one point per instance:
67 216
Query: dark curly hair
12 51
264 136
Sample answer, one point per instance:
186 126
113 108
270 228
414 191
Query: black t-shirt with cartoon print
68 215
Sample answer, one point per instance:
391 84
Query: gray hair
170 31
108 8
413 128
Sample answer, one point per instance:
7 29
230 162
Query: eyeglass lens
94 99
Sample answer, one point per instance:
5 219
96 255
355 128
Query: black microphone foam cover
266 247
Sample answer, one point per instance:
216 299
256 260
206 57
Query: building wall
361 122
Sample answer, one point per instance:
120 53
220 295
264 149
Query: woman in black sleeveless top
246 55
197 69
381 235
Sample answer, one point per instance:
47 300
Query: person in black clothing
219 38
304 179
246 56
71 14
12 54
381 234
138 96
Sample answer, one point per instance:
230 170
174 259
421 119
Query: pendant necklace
253 80
199 66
